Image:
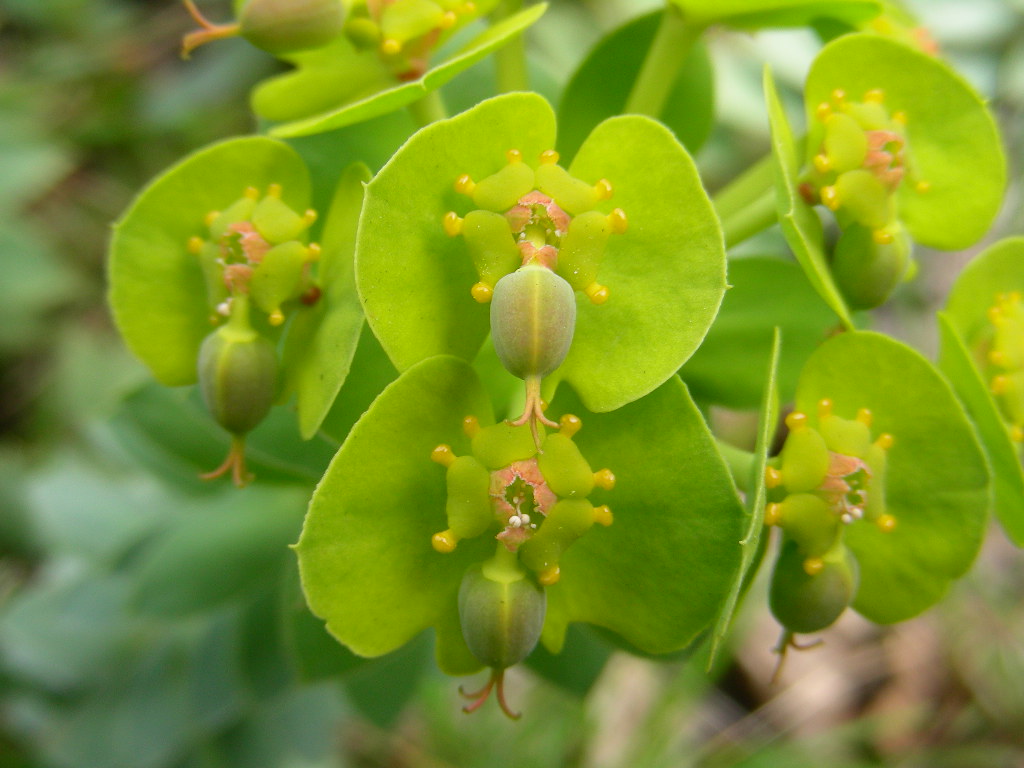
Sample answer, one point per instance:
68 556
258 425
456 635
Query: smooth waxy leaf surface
937 480
800 224
965 333
764 292
666 273
322 339
757 496
600 88
157 291
413 279
758 14
365 555
357 107
658 574
952 140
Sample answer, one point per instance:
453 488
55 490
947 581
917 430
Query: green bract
339 84
946 166
982 371
389 536
936 490
664 274
158 291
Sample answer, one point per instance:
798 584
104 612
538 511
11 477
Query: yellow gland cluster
541 215
405 32
534 500
1007 358
825 478
253 248
860 159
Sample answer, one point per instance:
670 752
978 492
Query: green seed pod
237 376
865 271
804 603
287 26
533 315
501 611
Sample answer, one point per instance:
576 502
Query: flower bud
533 316
866 271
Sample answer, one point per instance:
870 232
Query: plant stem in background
754 217
739 463
745 188
668 51
510 59
429 109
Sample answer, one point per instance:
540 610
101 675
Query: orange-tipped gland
233 463
444 542
443 455
886 522
495 683
604 478
465 185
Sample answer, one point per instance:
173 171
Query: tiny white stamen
533 525
515 521
847 518
525 518
224 308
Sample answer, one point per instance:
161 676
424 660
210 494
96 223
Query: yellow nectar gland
886 522
448 20
274 190
276 317
875 96
603 189
569 425
1000 385
471 426
838 97
195 245
549 157
313 251
603 515
1017 433
885 441
309 217
830 197
822 111
865 417
772 477
604 478
514 156
390 47
796 420
824 408
465 184
549 576
617 221
813 566
597 293
211 217
881 237
452 224
443 455
481 292
922 186
252 193
444 542
900 117
773 514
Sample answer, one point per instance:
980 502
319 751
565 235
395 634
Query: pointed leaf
761 14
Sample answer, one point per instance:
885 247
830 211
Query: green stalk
510 59
755 217
739 462
668 51
745 188
428 109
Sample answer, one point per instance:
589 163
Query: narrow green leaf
800 224
756 498
761 14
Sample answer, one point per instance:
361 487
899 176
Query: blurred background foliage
150 621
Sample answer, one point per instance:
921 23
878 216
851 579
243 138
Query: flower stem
668 51
746 222
745 188
510 59
428 109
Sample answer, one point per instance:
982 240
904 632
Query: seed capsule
867 271
286 26
533 316
808 603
